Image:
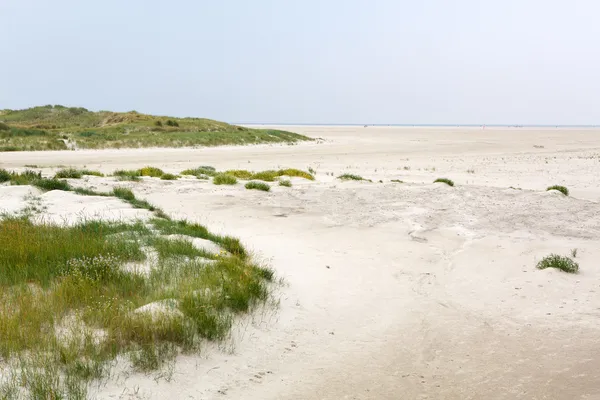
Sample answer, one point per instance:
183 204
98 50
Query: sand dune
392 290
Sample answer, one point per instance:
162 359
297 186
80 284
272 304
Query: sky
309 61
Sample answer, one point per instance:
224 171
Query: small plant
168 177
258 186
123 193
202 170
124 175
75 173
470 171
561 189
397 181
312 171
560 262
444 180
51 184
285 182
170 122
158 123
351 177
4 175
224 179
291 172
151 171
574 253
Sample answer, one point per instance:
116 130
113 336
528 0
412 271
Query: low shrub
285 182
52 184
240 173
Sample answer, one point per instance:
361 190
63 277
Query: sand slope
415 290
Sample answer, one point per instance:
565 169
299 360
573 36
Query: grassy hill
61 128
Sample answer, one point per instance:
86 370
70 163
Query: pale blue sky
310 61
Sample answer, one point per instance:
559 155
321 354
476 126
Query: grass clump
5 176
397 181
292 172
351 177
224 179
127 175
75 173
204 170
258 186
561 189
240 173
444 180
151 171
169 177
267 176
563 263
51 184
285 182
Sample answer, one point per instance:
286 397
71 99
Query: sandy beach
391 290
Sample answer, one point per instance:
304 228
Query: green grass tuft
559 262
258 186
292 172
75 173
444 180
51 184
127 175
561 189
351 177
285 182
240 174
224 179
151 171
169 177
397 181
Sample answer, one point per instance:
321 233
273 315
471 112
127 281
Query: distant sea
422 125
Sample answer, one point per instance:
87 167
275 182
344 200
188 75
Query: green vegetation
397 181
30 177
151 171
168 177
561 189
351 177
270 175
258 186
127 175
69 305
59 128
224 179
285 182
560 262
72 300
444 180
75 173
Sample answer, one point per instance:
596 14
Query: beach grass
561 189
258 186
444 180
285 182
351 177
224 179
563 263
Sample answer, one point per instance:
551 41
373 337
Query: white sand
415 290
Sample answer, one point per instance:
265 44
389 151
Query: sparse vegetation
351 177
559 262
292 172
258 186
75 173
168 177
561 189
57 127
574 253
444 180
285 182
70 304
397 181
240 174
270 175
200 171
224 179
470 171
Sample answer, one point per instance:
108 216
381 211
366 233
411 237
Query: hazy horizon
337 62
